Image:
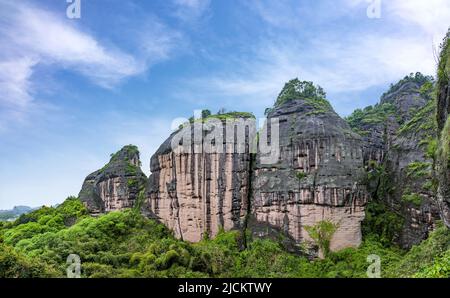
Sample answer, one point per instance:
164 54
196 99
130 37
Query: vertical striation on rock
196 192
117 185
317 177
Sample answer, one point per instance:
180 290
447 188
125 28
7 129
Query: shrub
321 233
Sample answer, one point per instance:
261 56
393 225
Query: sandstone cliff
317 177
116 186
325 169
196 193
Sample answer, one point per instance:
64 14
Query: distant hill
9 215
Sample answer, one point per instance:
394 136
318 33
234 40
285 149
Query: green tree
296 89
322 233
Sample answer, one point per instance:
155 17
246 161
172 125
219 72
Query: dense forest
126 244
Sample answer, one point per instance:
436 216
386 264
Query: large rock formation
398 133
209 175
443 122
318 176
196 193
116 186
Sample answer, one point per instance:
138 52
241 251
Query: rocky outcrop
195 192
208 175
317 177
401 131
117 185
443 123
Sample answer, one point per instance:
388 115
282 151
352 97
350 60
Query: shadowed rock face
397 141
116 185
196 194
407 147
317 177
443 122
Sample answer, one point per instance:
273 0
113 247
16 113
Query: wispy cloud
15 81
31 36
337 65
189 10
350 61
431 16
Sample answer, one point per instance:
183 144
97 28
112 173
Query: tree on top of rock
296 89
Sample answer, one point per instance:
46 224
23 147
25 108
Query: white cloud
188 10
339 65
432 16
340 61
280 13
32 37
15 81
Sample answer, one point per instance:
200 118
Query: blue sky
72 91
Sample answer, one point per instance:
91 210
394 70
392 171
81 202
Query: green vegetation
412 198
443 147
130 150
421 259
377 114
322 233
381 224
123 157
301 175
132 183
16 265
313 95
125 244
427 89
221 115
432 146
417 78
444 61
439 269
418 169
231 115
423 120
131 169
443 151
296 89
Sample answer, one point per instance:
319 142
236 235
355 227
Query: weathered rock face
400 130
443 123
116 186
317 177
197 193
